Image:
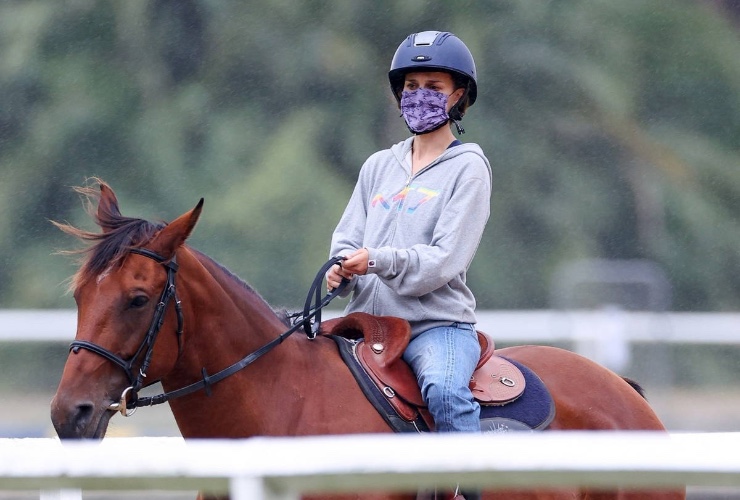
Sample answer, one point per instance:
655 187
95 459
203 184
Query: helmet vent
425 38
421 58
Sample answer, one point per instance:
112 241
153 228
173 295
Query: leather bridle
129 400
145 350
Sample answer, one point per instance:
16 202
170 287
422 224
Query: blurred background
613 130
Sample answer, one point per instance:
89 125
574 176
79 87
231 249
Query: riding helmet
434 51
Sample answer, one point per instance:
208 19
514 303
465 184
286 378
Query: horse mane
281 313
107 248
120 234
640 390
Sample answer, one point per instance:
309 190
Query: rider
414 222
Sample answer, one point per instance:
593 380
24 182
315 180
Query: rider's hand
357 262
335 275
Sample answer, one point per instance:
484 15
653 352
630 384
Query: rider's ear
108 210
169 239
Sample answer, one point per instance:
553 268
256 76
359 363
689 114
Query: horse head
126 275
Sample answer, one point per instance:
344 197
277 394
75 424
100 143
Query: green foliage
611 126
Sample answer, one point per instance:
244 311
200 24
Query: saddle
379 347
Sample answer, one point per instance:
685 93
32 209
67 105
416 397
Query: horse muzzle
79 419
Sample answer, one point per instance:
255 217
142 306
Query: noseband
129 400
145 350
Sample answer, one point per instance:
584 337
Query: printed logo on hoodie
409 199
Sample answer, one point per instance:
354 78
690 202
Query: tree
611 127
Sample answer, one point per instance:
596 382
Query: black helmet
433 51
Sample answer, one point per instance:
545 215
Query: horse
137 326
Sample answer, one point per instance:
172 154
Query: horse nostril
71 421
82 414
79 420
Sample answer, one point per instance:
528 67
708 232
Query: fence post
64 494
256 488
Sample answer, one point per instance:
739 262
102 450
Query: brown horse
135 327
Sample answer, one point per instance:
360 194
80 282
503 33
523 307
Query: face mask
424 110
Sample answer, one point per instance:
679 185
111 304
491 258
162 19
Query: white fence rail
284 468
507 326
602 335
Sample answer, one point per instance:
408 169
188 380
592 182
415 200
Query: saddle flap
380 354
396 379
497 382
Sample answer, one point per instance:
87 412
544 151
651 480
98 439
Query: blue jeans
443 360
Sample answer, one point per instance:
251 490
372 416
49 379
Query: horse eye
139 301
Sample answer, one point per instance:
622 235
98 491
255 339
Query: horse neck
224 321
226 297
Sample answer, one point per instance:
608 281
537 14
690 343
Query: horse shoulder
335 401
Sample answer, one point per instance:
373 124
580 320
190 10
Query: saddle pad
533 410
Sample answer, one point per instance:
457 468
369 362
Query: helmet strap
456 115
460 129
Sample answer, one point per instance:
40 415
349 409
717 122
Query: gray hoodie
421 232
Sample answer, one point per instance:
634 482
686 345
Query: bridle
129 401
145 350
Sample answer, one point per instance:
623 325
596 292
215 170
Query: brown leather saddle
496 381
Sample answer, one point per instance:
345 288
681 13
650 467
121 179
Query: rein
128 407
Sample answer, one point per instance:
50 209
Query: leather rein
129 401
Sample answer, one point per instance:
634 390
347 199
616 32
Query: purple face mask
424 110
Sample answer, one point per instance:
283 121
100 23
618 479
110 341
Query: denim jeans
443 360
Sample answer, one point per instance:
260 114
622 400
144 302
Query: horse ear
108 210
169 239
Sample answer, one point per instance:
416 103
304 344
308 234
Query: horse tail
636 387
